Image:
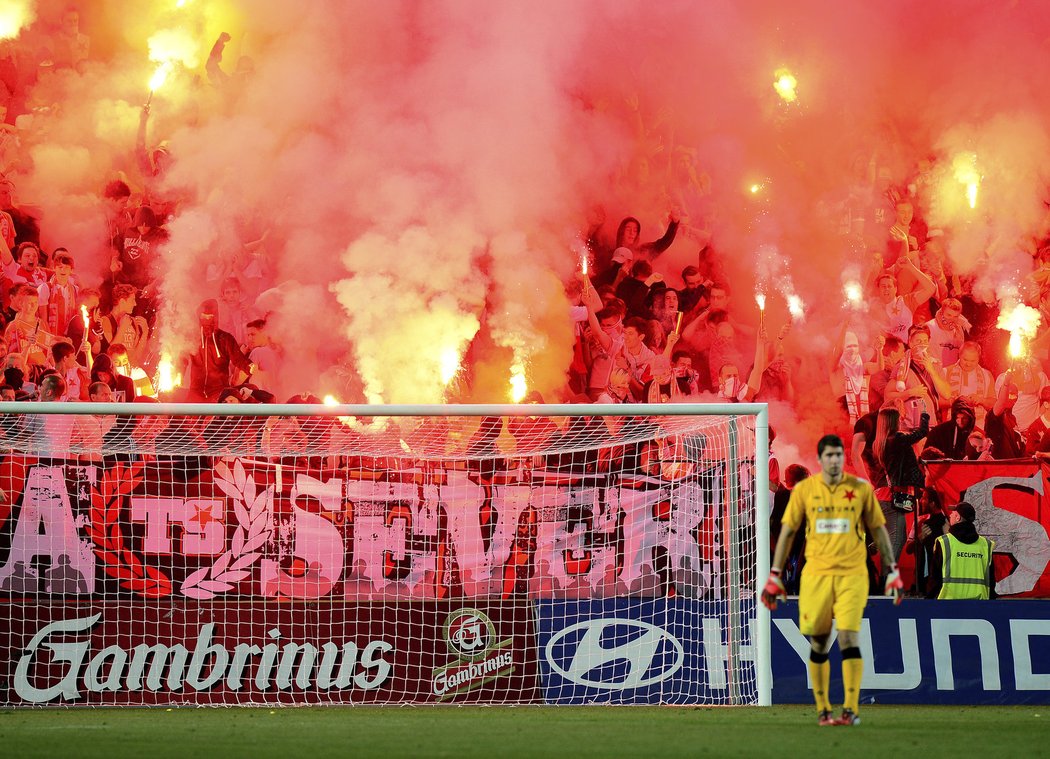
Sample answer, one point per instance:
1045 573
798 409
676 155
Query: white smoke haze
418 171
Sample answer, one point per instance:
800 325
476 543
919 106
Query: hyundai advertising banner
637 651
930 652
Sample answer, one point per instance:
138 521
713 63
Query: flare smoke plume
418 171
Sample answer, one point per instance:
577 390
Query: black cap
14 377
966 511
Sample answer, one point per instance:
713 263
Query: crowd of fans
95 331
919 369
926 343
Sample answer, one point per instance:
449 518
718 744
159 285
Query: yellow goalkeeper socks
820 674
852 671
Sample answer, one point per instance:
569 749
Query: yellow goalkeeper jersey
835 522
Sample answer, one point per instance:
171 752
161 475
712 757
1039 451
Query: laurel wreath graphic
254 528
118 561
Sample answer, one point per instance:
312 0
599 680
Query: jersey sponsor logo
615 654
480 658
830 526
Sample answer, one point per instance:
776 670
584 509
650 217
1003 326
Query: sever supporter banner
184 528
930 652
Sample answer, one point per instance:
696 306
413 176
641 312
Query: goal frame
761 631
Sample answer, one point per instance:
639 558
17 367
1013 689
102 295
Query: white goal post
163 554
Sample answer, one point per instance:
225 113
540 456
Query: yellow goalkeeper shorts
823 597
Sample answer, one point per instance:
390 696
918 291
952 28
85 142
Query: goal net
162 554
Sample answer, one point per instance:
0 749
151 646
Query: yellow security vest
964 568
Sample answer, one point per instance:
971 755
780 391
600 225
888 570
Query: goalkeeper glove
894 585
774 589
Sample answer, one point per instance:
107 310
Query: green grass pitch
893 732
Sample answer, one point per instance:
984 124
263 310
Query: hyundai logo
649 654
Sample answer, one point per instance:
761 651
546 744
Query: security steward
962 565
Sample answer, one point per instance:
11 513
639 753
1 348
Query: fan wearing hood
850 376
218 362
952 437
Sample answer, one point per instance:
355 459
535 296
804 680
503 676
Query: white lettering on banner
577 528
202 521
209 663
1023 538
1021 633
590 536
716 653
374 538
798 642
329 494
318 543
170 659
466 531
692 504
643 532
105 668
943 630
910 676
941 633
832 526
588 540
639 653
446 680
72 652
46 527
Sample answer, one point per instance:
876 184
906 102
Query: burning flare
449 365
519 387
160 75
785 84
168 47
964 166
348 421
14 16
581 251
854 293
1022 322
796 307
86 343
167 379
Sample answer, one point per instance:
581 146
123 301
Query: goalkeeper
837 509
